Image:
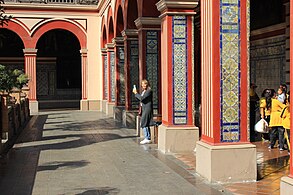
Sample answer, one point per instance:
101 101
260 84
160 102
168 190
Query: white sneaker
145 141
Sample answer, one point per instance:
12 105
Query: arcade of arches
199 56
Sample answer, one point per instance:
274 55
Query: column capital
104 51
30 51
110 47
83 51
148 23
173 7
130 34
118 41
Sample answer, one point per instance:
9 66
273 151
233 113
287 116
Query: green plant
11 79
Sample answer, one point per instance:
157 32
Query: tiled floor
271 166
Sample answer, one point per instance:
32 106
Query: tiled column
224 153
31 70
111 79
131 70
149 37
105 79
178 132
84 71
286 186
120 80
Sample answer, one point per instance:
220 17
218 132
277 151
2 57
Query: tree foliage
10 79
3 17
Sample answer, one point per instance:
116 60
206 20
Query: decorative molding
130 33
268 29
142 22
163 5
109 46
118 41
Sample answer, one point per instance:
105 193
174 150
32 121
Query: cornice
117 41
50 7
109 46
130 32
102 6
268 29
163 5
147 21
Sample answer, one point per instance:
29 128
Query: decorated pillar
286 186
225 70
84 80
149 37
177 132
105 78
111 78
30 55
131 70
120 79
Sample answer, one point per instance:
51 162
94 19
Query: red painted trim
110 24
109 76
116 17
216 104
103 80
142 54
268 34
117 77
59 24
243 72
159 74
170 69
189 72
291 86
207 139
20 31
127 75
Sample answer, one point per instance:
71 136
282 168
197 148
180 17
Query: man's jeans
147 132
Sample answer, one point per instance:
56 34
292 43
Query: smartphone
134 87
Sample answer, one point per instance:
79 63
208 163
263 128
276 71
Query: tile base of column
177 139
34 107
110 108
226 163
104 105
129 118
84 105
94 104
286 187
118 110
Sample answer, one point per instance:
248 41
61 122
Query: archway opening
11 49
58 70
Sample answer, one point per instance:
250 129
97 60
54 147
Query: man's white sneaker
145 141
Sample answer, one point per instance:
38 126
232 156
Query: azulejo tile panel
152 64
112 76
134 74
230 70
179 53
105 77
121 76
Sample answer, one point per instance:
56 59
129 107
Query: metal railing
82 2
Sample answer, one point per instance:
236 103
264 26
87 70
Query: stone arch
110 32
21 30
104 33
130 6
119 22
60 24
148 8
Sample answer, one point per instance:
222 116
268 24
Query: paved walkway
75 152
